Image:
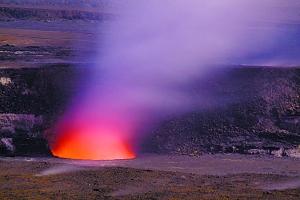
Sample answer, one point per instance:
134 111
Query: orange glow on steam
91 143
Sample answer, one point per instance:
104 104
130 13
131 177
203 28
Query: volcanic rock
21 133
245 116
11 124
293 153
279 153
261 118
6 146
39 13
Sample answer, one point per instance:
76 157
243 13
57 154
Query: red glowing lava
90 142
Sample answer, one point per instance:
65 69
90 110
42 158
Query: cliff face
21 134
31 100
264 119
261 113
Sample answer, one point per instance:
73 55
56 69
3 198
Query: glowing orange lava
88 143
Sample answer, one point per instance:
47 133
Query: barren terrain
151 177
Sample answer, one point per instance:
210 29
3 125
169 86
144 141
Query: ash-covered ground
151 177
250 110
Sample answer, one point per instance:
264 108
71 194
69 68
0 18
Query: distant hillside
55 9
43 13
75 3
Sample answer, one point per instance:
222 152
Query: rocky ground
153 177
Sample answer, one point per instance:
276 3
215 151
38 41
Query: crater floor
151 177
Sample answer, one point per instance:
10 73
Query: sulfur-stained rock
6 146
279 153
21 134
293 153
258 151
13 125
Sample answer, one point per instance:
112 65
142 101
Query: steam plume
149 53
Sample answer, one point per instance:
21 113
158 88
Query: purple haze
153 49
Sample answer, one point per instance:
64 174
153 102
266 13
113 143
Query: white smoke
155 47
